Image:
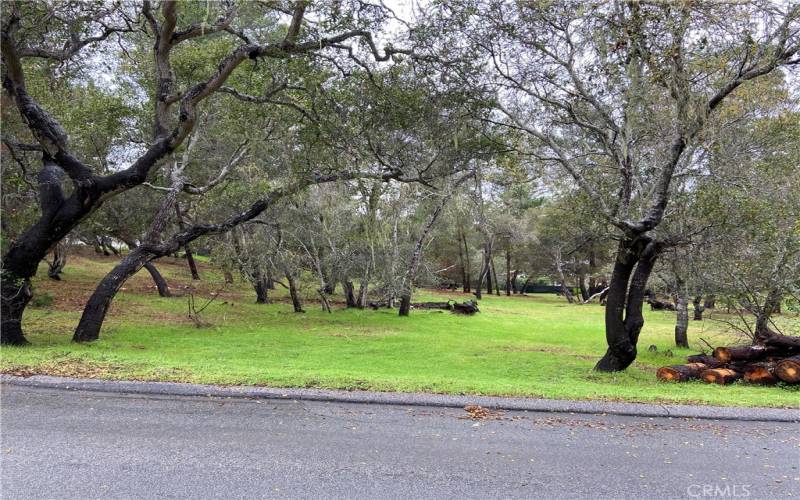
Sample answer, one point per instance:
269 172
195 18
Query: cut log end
720 376
761 375
722 354
680 373
788 370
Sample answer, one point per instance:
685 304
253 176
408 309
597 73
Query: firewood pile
774 359
469 307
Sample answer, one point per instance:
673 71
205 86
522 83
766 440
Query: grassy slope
524 346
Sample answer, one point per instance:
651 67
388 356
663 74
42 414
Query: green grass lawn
535 346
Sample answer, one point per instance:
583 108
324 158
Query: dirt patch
67 367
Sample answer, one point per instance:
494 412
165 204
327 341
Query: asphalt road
83 445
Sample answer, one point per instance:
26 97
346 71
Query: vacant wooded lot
278 193
535 345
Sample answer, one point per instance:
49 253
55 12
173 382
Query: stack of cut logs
774 359
469 307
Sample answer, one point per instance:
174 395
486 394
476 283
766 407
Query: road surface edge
407 399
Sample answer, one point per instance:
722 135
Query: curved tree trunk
294 293
161 283
624 302
192 264
158 280
94 313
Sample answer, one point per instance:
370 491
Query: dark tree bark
192 264
524 287
698 308
349 294
261 287
623 317
95 310
682 315
186 248
297 304
464 278
467 270
158 280
488 272
161 283
509 285
496 281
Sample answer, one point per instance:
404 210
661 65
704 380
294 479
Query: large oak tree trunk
59 216
634 263
16 295
94 313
